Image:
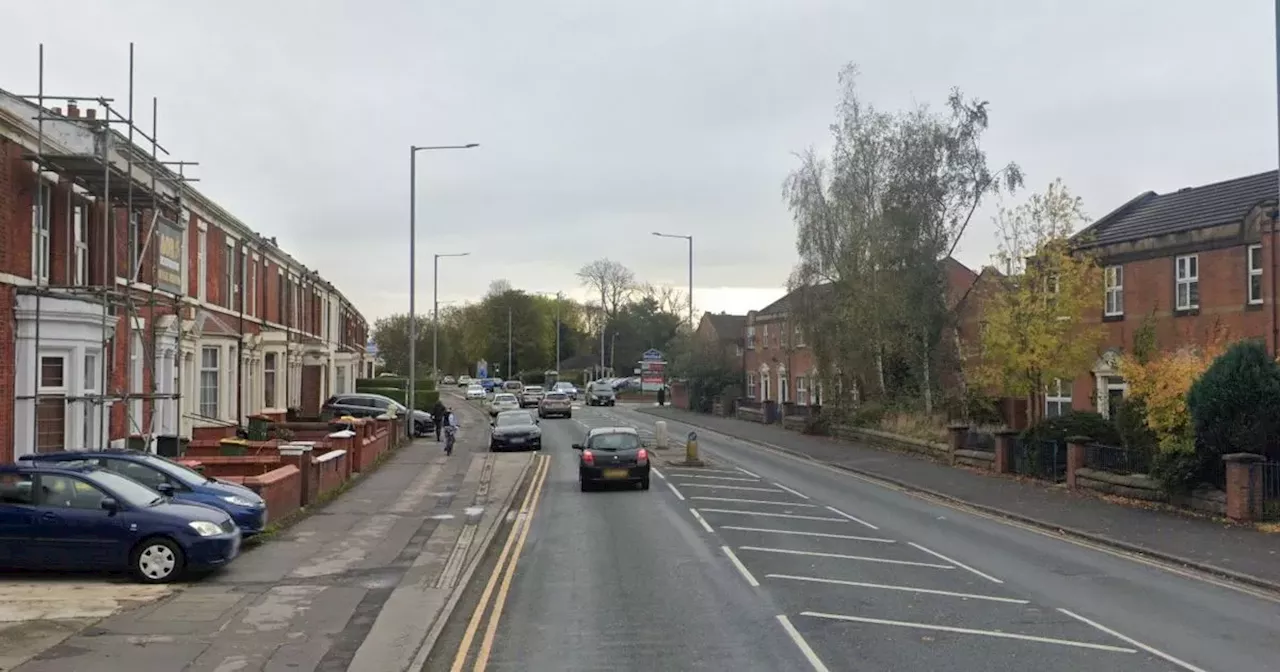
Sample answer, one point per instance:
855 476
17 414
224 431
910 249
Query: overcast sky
602 121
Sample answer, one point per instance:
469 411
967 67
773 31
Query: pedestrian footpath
1197 542
377 564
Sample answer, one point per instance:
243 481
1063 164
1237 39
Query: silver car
503 401
531 396
555 404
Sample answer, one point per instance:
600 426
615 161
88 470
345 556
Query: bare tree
669 300
611 281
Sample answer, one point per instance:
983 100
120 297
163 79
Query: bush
1233 405
868 414
974 408
1177 466
425 385
367 385
1076 423
424 400
1130 420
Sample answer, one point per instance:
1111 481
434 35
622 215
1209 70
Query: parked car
531 396
66 518
503 401
612 455
555 404
600 393
475 392
171 479
515 430
465 381
566 388
449 380
364 405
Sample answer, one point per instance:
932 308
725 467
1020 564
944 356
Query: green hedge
425 399
369 384
393 392
425 385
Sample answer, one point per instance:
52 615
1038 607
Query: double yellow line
504 569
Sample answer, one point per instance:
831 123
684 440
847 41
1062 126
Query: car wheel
644 484
157 560
568 415
584 485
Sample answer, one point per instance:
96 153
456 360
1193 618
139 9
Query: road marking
751 501
657 473
1128 640
969 631
491 631
719 478
691 470
826 535
705 525
742 569
464 647
776 515
905 589
961 565
853 518
717 486
801 495
841 556
676 492
747 472
804 647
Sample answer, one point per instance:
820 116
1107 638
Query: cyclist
450 431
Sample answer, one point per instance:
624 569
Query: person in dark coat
438 412
662 395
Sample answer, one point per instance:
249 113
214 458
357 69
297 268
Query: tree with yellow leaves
1033 330
1163 380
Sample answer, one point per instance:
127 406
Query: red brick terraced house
1188 261
132 305
726 333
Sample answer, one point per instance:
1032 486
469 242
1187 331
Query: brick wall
16 183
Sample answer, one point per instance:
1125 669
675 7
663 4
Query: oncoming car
612 455
503 401
476 392
515 430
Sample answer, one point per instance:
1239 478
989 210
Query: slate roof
1190 208
727 326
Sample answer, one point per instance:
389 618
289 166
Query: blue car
83 518
174 480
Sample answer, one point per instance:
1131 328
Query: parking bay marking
728 487
804 647
676 492
853 518
1151 650
742 569
905 589
842 556
748 473
826 535
657 473
705 525
678 471
777 515
719 478
961 565
968 631
751 501
801 495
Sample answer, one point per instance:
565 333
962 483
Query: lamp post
690 238
435 310
413 265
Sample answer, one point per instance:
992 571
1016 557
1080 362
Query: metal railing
1116 459
1045 460
1269 492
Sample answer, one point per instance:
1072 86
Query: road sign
482 369
371 347
652 355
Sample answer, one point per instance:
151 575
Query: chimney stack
72 110
91 113
57 111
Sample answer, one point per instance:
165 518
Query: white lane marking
969 631
1128 640
747 472
751 501
804 647
705 525
776 515
718 486
842 556
961 565
905 589
853 518
675 492
801 495
691 470
826 535
742 569
657 473
719 478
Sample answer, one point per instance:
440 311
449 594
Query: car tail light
588 459
642 456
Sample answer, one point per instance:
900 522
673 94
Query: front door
72 530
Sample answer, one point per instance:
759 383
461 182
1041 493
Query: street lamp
690 238
413 265
435 310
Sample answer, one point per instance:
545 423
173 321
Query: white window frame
798 339
80 238
1113 280
1254 273
210 395
764 336
52 391
230 274
41 247
802 390
784 391
202 265
135 235
751 384
340 380
1186 273
270 371
252 298
1058 395
751 337
92 438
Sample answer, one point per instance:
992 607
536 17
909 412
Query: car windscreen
503 398
187 475
612 442
126 489
601 387
513 419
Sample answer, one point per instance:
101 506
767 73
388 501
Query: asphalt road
770 562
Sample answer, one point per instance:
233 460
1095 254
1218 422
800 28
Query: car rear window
533 388
504 397
557 396
611 442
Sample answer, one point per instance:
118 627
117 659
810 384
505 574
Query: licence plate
516 442
615 473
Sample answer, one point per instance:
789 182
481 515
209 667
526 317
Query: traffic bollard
660 435
691 448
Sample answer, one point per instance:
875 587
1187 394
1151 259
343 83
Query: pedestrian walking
437 416
662 395
450 431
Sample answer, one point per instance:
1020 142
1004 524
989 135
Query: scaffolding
122 297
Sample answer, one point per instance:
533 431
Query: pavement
357 584
766 561
1235 551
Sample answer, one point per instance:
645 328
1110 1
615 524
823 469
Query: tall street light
435 310
690 238
413 265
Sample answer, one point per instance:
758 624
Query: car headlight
238 500
537 433
205 528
